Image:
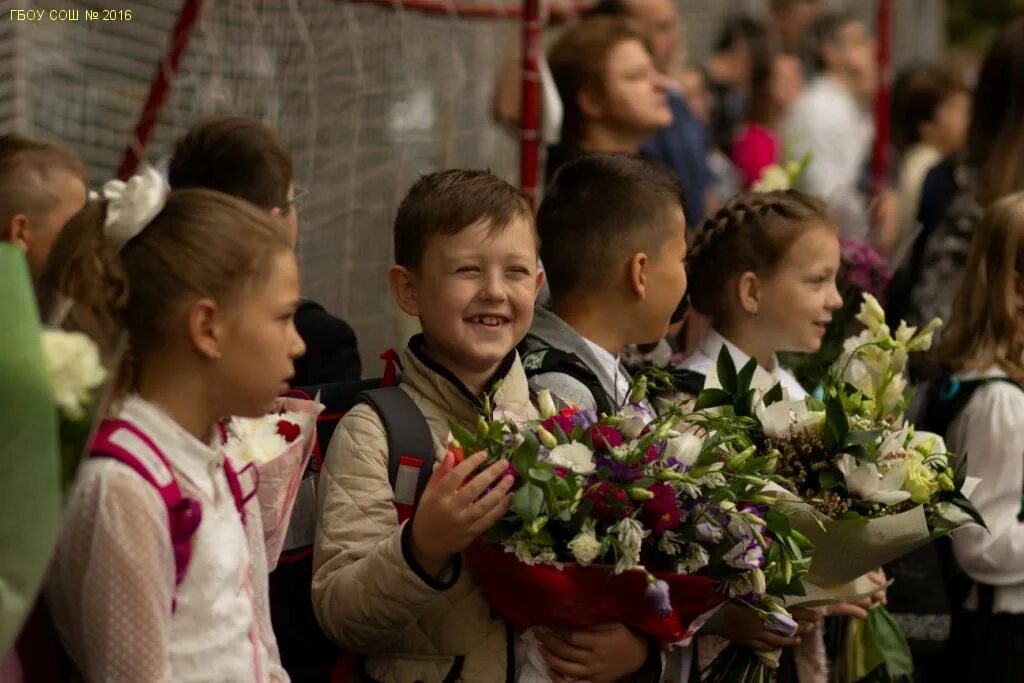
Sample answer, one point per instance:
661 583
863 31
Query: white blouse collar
711 345
189 456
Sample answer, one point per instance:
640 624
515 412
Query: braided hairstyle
752 232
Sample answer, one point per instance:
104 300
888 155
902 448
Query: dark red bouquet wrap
577 597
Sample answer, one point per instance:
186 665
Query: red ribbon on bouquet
577 597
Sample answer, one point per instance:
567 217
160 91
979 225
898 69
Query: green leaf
837 426
863 436
541 474
964 504
528 501
745 404
830 479
712 398
562 489
745 376
778 523
727 371
774 395
466 438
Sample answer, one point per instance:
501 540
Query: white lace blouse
111 586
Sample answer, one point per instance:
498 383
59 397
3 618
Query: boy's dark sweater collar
417 345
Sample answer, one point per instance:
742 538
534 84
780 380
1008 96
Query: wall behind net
367 96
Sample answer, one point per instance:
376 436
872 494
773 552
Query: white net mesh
368 96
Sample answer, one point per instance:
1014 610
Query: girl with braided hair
763 269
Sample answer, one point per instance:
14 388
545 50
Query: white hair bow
132 205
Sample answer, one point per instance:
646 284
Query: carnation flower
662 512
606 437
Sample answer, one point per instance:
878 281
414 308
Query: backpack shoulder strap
687 381
550 359
950 395
122 441
411 452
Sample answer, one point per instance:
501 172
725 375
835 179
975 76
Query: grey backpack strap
411 452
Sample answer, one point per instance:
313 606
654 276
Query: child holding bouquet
466 266
205 286
764 269
982 349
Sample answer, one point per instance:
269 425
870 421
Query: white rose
685 449
585 547
573 456
634 418
75 369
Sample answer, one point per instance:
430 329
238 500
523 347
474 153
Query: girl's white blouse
705 362
111 585
990 431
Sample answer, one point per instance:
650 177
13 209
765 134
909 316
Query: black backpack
930 588
307 654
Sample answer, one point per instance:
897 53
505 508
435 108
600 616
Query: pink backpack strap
235 484
126 443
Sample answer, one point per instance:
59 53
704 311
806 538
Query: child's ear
403 286
749 290
538 284
589 103
638 277
206 327
16 232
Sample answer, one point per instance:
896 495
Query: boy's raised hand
455 509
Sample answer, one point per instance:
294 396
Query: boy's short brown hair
446 203
234 155
598 210
26 175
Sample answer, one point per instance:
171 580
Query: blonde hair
984 327
202 244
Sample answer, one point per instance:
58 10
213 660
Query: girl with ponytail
160 573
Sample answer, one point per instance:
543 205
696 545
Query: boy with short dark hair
466 266
613 245
243 158
42 185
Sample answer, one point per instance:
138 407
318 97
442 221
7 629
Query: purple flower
621 472
585 419
745 555
708 531
781 623
657 594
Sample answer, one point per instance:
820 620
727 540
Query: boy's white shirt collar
706 363
611 364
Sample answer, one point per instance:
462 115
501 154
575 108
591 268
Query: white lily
864 480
